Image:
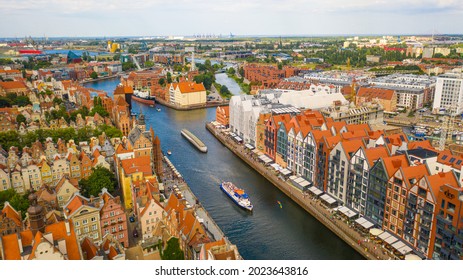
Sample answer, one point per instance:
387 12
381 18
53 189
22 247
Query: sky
98 18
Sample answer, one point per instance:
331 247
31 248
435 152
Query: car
135 233
132 219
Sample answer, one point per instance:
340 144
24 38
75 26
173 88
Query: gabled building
339 165
380 173
113 218
396 196
10 220
65 190
359 173
85 214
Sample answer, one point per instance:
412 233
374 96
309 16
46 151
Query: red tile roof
372 93
140 164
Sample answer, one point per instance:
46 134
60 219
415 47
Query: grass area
224 93
240 81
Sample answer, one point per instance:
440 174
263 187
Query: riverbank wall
313 208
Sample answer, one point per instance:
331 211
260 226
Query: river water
270 232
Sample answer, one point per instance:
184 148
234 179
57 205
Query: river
270 232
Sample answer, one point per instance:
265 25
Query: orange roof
375 134
332 141
11 247
353 127
392 164
112 253
209 245
351 146
446 157
374 154
13 85
74 203
89 248
337 125
140 164
371 93
188 87
414 172
11 242
356 134
396 139
319 134
9 212
442 178
425 144
59 232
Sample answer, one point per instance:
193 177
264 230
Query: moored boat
237 195
169 152
143 97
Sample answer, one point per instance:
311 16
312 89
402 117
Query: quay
194 140
367 248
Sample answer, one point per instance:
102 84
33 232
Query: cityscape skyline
142 18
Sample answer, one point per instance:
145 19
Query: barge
194 140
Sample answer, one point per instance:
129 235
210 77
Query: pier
365 247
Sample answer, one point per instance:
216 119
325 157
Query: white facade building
245 109
449 93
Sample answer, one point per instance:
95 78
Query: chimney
68 227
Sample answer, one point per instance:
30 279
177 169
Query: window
121 227
113 230
86 230
111 214
119 219
121 235
94 227
84 222
76 224
93 219
106 231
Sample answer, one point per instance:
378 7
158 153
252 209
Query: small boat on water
143 97
158 109
169 152
237 195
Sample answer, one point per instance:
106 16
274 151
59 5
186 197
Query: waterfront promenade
172 182
360 242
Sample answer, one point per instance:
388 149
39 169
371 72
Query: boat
143 97
237 195
194 140
169 152
158 109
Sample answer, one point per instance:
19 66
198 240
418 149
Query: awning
347 212
405 250
237 138
276 166
375 231
285 171
398 245
391 239
364 223
315 191
250 147
232 134
385 235
265 159
328 199
412 257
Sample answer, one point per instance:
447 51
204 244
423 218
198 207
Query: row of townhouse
48 163
406 188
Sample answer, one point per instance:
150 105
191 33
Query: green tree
169 78
20 203
100 178
149 64
116 57
20 119
94 75
280 66
57 101
162 82
127 66
231 71
172 251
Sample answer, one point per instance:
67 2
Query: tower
141 122
36 215
157 156
193 65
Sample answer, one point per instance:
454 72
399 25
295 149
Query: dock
194 140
